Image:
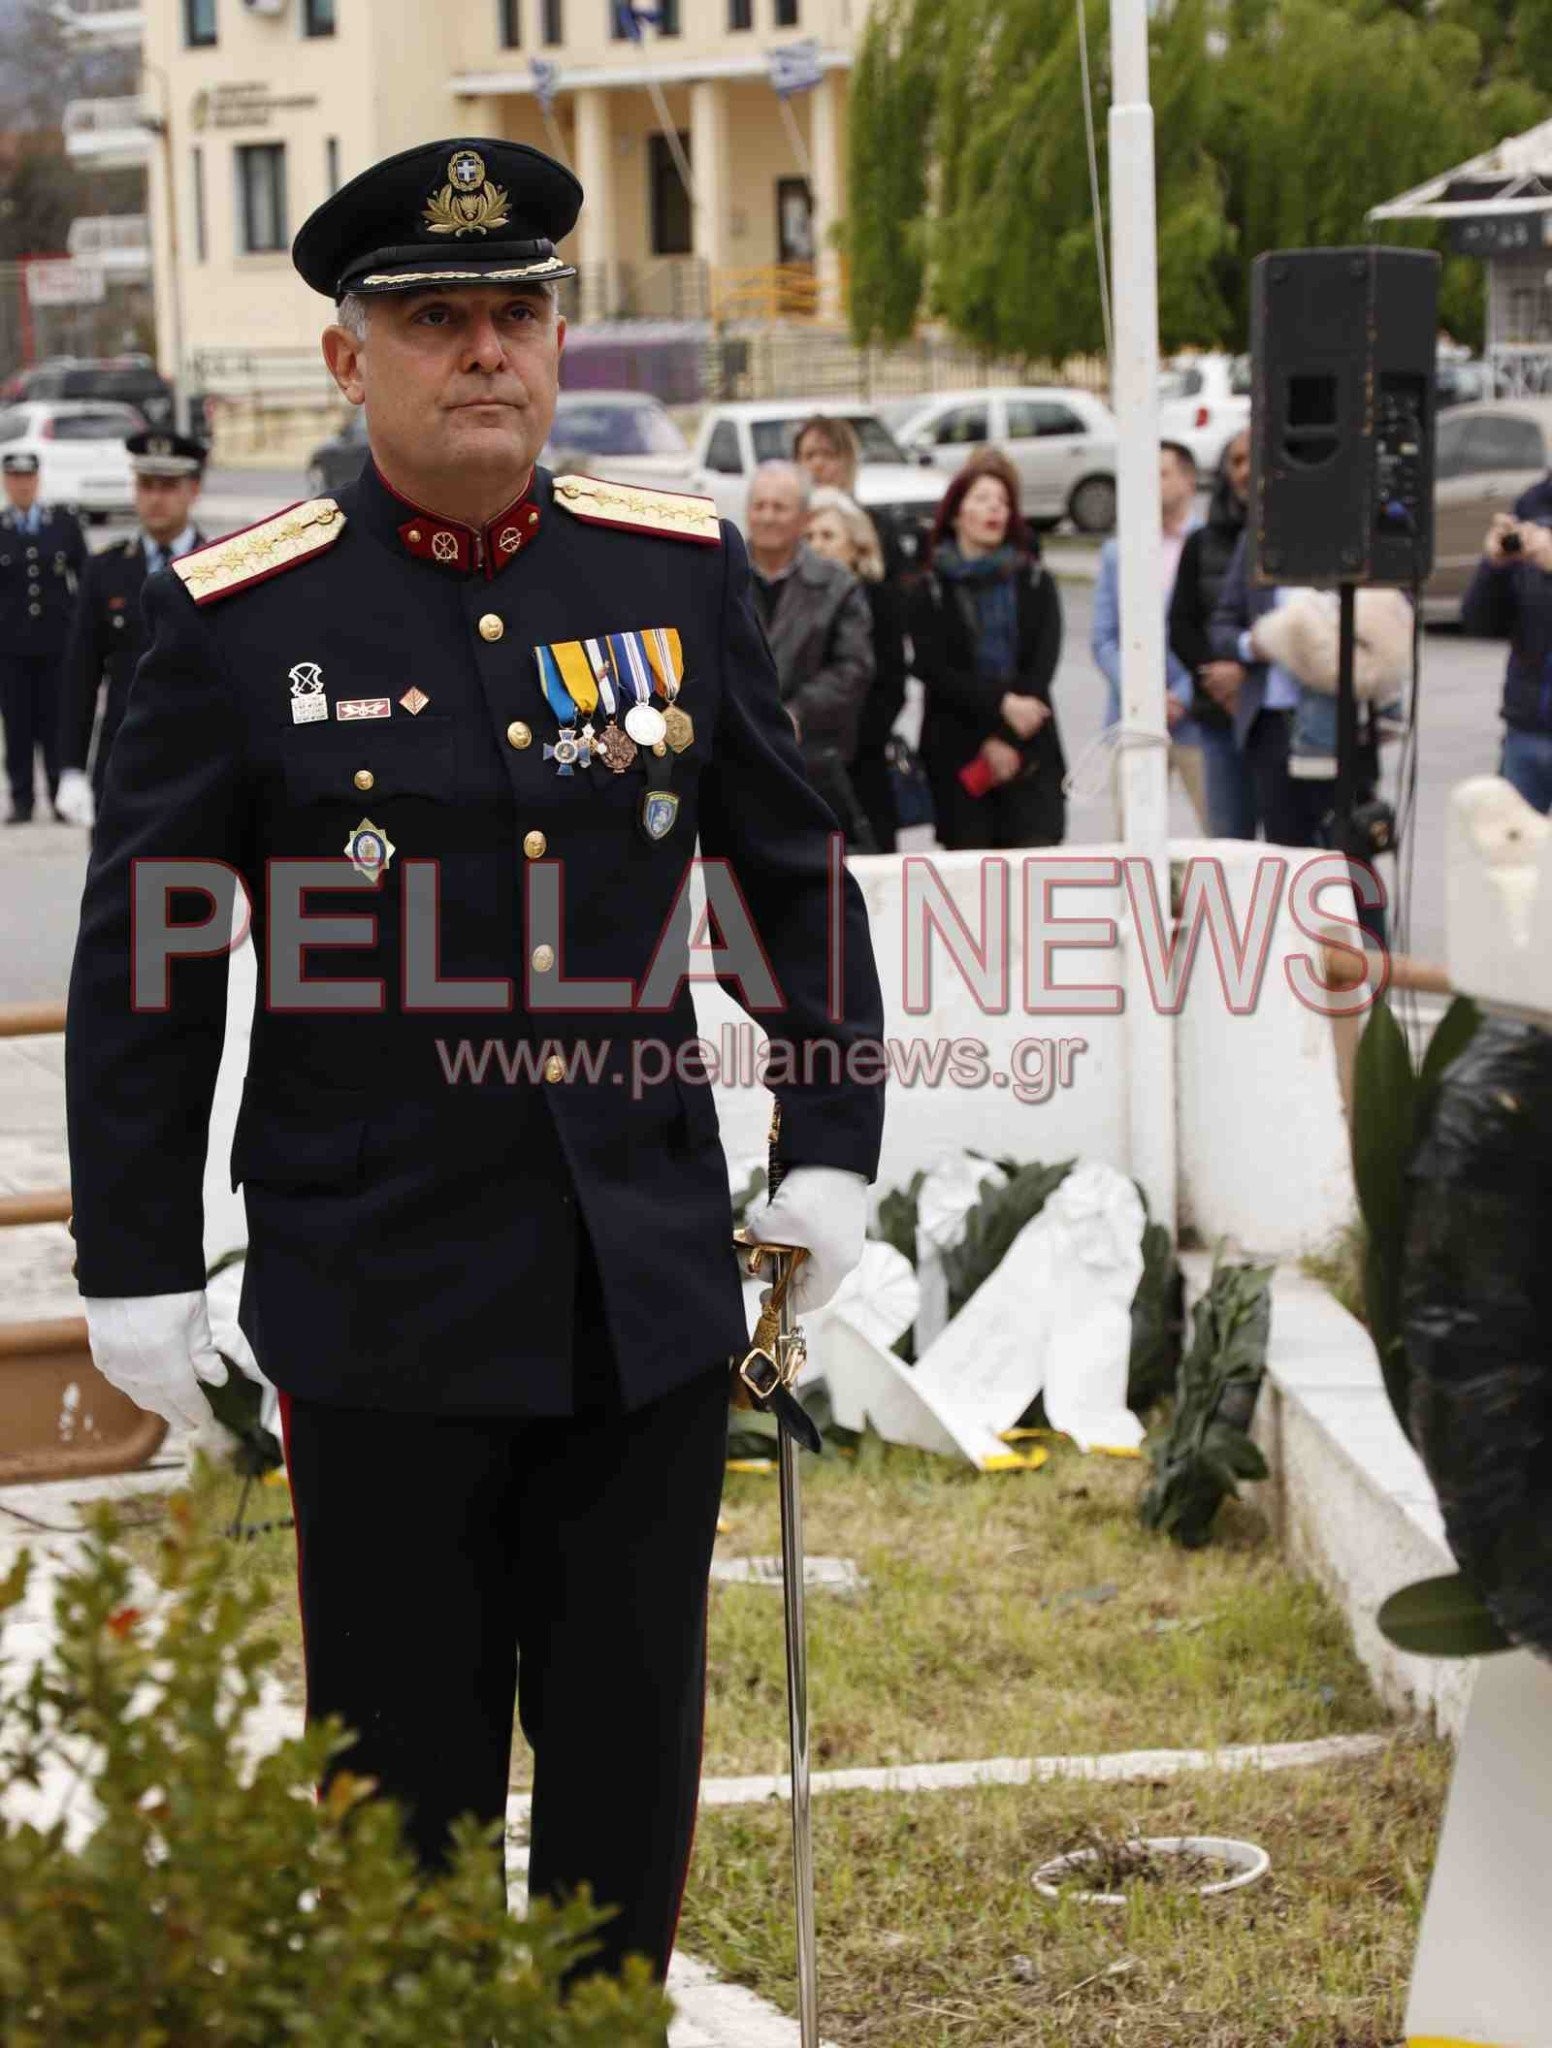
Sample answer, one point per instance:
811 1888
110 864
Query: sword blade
797 1718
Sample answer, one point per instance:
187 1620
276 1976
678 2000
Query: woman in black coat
986 633
839 529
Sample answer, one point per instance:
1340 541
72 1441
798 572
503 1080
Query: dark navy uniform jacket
107 639
38 573
413 1243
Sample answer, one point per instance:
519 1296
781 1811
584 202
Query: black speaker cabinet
1343 345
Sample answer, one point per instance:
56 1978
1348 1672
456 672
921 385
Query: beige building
255 110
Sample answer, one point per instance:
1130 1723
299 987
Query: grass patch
1017 1615
930 1931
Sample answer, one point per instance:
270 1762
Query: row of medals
616 747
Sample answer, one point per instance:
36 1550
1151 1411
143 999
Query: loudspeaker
1343 345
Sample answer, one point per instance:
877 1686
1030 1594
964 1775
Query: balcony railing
106 24
109 133
118 242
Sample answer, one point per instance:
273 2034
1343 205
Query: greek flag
795 68
546 83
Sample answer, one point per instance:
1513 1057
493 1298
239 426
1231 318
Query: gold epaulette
261 551
671 513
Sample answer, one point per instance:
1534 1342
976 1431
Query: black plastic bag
1476 1311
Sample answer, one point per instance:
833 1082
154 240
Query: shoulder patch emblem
671 513
261 551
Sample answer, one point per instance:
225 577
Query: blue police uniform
42 553
506 1303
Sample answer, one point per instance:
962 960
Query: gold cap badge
468 204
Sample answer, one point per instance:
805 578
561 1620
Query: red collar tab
430 538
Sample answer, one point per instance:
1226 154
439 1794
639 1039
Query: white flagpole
1144 764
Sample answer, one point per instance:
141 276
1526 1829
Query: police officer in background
42 552
107 634
480 715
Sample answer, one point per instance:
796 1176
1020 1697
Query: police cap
155 451
456 212
19 463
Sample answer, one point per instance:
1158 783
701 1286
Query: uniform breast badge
643 720
659 812
308 703
369 850
571 691
350 708
414 701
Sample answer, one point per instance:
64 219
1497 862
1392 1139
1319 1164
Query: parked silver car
1061 441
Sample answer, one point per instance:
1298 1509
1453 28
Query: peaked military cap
20 463
154 451
456 212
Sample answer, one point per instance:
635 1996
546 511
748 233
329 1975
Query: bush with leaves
1204 1452
206 1896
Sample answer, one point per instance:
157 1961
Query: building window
786 13
261 196
671 232
331 171
554 21
511 24
197 166
317 17
668 17
740 15
199 23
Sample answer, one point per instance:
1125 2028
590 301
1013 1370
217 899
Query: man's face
775 513
456 381
1177 485
22 490
163 505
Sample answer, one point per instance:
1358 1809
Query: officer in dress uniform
479 715
42 552
107 636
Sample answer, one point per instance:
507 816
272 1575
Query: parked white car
1062 442
901 496
81 455
625 436
1204 401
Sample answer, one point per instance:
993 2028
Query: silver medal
644 723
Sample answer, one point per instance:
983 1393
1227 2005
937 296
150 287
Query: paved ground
41 866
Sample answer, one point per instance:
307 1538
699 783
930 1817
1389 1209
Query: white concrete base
1348 1496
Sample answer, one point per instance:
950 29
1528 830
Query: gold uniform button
535 845
543 959
519 735
364 779
555 1068
492 626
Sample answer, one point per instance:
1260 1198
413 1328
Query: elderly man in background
820 628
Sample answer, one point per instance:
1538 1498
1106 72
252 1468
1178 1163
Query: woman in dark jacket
986 631
1204 563
839 529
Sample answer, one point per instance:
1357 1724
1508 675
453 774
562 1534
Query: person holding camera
1510 598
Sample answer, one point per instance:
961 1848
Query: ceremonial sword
773 1363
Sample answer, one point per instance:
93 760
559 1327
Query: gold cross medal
665 651
369 850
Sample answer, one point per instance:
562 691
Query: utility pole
161 127
1144 763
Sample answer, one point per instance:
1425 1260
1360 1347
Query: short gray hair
792 471
352 309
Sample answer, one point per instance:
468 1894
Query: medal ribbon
578 675
599 659
631 666
556 694
665 651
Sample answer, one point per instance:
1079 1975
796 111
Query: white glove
158 1349
825 1209
74 802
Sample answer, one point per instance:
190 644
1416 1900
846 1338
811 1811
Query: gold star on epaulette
262 551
